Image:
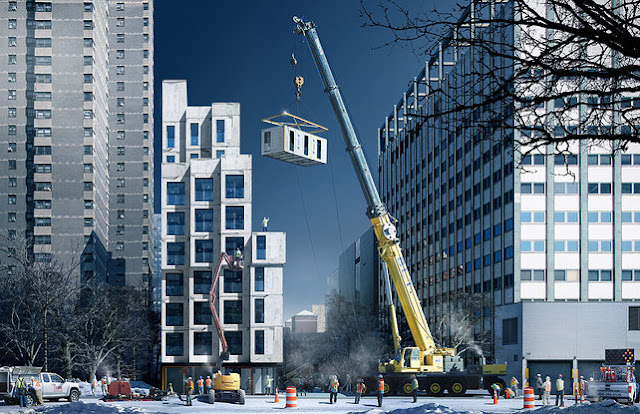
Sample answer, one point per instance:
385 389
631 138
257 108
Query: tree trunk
135 370
118 372
45 342
66 361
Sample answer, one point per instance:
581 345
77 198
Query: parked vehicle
616 379
54 387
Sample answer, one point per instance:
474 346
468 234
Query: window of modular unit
261 247
233 243
220 130
292 141
306 145
174 284
259 279
174 345
171 136
195 137
175 224
175 254
193 156
318 149
510 331
232 281
219 153
232 311
202 343
204 189
259 341
234 186
204 251
201 313
175 194
204 220
234 340
174 314
201 281
259 311
234 218
171 159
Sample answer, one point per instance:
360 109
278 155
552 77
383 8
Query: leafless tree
539 75
37 297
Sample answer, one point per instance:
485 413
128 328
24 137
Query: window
12 42
532 216
220 130
120 246
175 194
204 220
259 279
204 189
12 199
13 182
12 165
532 188
510 331
565 188
13 23
88 42
259 311
120 182
171 159
171 137
12 129
88 168
600 245
120 101
600 275
120 38
120 7
12 218
259 340
12 94
232 281
120 70
219 153
42 204
204 251
634 318
13 59
120 22
532 245
201 281
174 344
13 5
202 344
175 223
261 247
175 254
174 314
234 186
234 339
11 77
40 168
566 216
194 134
43 222
12 147
232 311
234 218
42 239
43 186
201 313
566 246
88 60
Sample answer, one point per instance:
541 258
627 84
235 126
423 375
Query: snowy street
314 403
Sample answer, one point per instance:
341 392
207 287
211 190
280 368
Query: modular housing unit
293 145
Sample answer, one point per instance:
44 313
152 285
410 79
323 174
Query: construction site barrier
292 401
528 398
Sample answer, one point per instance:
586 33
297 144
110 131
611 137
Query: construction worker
94 387
539 385
333 390
380 390
265 223
207 384
267 385
360 389
200 386
37 388
105 391
546 399
21 391
583 386
559 391
238 257
496 390
414 388
514 386
190 387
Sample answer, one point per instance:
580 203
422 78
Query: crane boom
383 224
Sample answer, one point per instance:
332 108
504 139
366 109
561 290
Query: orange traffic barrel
528 398
292 401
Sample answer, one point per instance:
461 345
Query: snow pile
431 408
81 407
604 407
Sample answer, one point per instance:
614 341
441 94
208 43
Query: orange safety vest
200 382
361 387
36 384
381 385
190 386
208 382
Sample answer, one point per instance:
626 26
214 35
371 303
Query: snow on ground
431 408
82 407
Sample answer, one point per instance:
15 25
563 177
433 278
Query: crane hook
293 60
298 81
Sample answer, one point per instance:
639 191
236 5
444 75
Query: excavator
225 387
436 368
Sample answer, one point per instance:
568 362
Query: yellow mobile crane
425 360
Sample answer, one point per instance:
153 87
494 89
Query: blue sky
240 52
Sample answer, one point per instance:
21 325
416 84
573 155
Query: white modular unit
292 145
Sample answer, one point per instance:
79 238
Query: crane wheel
406 388
435 388
457 388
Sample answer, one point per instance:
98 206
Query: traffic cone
495 397
277 400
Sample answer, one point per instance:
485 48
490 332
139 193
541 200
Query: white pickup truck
613 382
54 387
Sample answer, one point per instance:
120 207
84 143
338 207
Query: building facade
358 272
206 209
67 86
553 252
